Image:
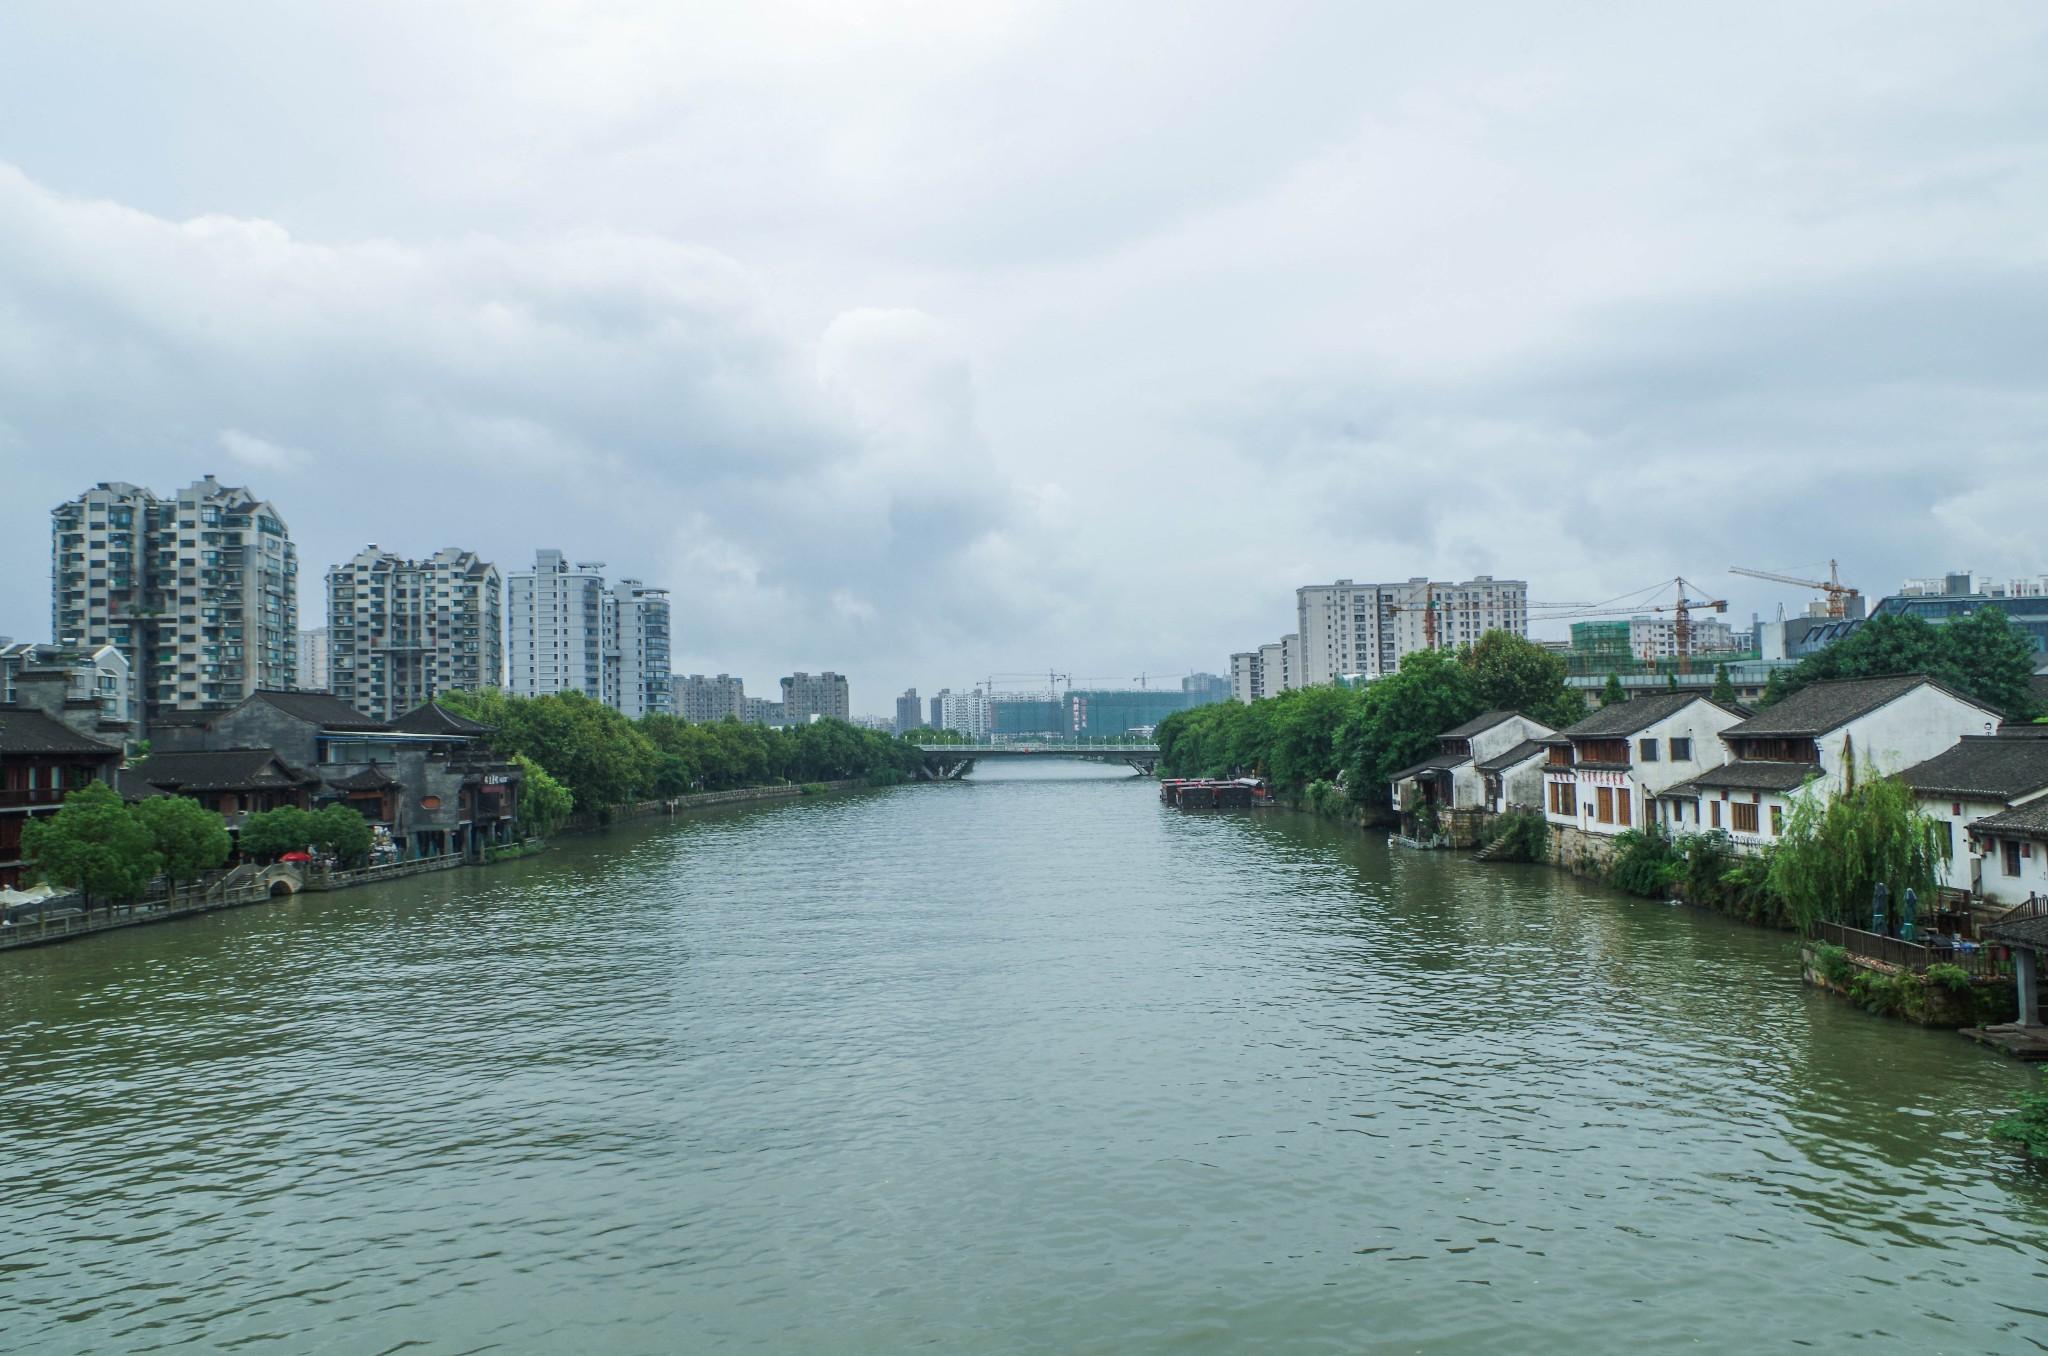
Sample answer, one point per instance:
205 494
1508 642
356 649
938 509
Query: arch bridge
948 762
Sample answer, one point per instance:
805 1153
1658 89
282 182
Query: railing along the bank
1976 959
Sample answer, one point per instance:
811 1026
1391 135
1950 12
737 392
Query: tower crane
1838 593
1428 611
1681 621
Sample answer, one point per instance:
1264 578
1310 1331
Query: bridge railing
1126 746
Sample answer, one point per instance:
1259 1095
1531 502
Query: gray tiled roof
1625 718
1821 707
1992 767
1520 753
2027 821
1479 724
433 718
1442 762
371 778
1746 774
2026 925
24 730
320 708
213 770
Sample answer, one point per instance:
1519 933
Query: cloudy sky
930 341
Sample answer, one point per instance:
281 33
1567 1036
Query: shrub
1831 963
1645 863
2028 1126
1877 993
1520 836
1321 797
1954 978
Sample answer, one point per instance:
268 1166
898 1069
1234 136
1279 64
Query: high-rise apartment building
761 711
556 627
1273 668
699 699
815 694
909 711
313 660
1364 630
401 631
1205 688
567 631
971 713
199 591
1247 676
639 651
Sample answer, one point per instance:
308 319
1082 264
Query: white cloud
926 340
262 455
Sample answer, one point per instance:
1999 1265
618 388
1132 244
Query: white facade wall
1632 792
1657 637
1907 731
1246 678
1521 785
1272 669
556 631
1468 783
2003 869
1979 866
970 713
567 630
313 659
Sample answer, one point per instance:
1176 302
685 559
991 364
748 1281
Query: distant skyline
922 342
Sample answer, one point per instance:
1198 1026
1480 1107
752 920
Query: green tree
342 831
1513 674
269 834
1397 723
1985 655
1724 686
1613 692
92 845
187 837
603 758
544 803
1671 680
1834 852
1982 655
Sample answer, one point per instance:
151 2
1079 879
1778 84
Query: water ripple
1015 1065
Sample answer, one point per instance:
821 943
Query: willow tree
1835 852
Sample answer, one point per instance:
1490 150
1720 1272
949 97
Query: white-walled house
1989 790
1514 780
1603 774
1807 743
1451 778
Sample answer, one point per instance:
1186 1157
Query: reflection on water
1025 1063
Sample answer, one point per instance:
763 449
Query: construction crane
1681 621
1838 593
1681 608
1428 611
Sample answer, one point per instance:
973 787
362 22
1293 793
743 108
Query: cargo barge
1210 793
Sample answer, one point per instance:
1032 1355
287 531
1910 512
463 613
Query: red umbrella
296 857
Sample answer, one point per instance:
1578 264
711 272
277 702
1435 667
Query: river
1025 1063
